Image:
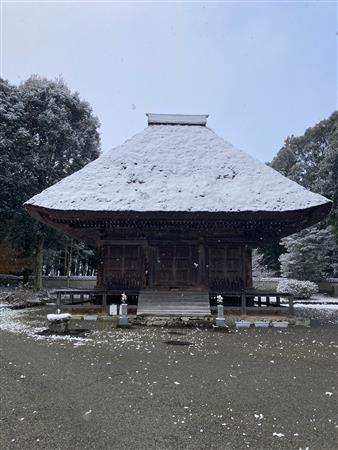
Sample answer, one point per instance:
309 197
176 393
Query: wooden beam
58 300
104 303
291 309
201 264
243 262
243 304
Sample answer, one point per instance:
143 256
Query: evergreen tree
312 161
46 133
310 254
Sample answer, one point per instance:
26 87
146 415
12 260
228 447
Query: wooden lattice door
176 265
225 268
124 266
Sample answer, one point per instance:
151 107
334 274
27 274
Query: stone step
172 293
168 306
175 314
180 303
175 308
180 297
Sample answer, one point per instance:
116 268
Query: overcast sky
261 70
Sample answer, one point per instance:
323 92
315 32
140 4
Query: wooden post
259 300
243 260
278 300
201 265
243 304
104 303
267 300
145 250
152 265
58 301
248 267
291 310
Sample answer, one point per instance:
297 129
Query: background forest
312 161
47 132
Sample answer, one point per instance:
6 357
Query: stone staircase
173 303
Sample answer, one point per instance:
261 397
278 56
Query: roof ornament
177 119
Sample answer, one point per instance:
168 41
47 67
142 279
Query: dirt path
260 389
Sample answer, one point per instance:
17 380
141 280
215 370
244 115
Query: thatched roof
181 165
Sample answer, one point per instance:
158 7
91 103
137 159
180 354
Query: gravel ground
127 389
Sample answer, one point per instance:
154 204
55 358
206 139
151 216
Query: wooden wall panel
217 266
124 266
225 268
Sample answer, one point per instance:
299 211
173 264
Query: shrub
300 289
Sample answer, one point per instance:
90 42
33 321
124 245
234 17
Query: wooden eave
257 227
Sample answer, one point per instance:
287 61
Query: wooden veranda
247 299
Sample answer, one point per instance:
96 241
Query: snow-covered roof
176 168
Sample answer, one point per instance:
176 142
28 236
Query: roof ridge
177 119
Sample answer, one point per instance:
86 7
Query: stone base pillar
59 326
123 319
220 322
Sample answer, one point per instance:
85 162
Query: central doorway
176 265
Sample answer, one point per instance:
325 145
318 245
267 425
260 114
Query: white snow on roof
176 168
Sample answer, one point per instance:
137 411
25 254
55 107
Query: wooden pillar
291 310
152 261
100 281
259 300
244 267
146 276
267 300
248 267
243 304
58 301
104 303
278 300
201 265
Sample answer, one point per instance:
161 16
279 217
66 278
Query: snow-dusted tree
311 254
259 268
312 161
46 133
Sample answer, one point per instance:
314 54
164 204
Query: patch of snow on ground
317 298
11 320
320 298
18 321
320 306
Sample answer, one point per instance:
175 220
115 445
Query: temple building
177 208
